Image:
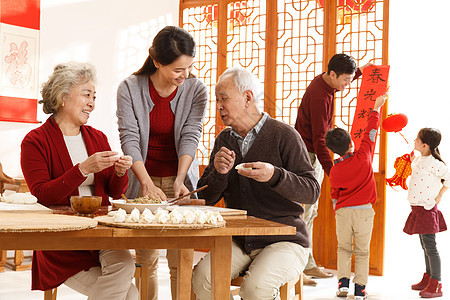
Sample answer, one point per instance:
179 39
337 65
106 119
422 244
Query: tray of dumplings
177 218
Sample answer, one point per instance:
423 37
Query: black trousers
432 258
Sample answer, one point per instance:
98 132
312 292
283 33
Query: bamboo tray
109 221
24 222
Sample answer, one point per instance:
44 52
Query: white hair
64 78
244 81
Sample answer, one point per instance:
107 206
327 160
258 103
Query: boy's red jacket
351 177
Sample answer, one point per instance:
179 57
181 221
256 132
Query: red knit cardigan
52 178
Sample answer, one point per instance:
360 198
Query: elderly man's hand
260 171
224 160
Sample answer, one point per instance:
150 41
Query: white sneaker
342 292
361 297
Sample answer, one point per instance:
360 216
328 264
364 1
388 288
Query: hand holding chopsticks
188 194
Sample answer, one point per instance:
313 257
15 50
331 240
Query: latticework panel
359 33
246 36
300 53
199 21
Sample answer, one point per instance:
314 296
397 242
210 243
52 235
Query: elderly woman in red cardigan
65 157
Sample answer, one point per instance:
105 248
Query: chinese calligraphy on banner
19 60
374 83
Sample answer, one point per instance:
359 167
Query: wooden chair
4 179
140 274
284 290
18 186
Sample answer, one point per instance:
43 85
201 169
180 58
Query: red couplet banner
374 83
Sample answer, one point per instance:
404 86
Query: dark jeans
432 258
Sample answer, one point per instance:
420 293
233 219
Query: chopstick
124 197
188 194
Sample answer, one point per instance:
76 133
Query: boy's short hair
342 64
338 140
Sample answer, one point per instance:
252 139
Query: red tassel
402 167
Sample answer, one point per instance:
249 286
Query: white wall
114 35
419 40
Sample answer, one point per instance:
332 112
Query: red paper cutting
16 14
374 83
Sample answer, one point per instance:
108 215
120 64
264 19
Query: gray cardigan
133 112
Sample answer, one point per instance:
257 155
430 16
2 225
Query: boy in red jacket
353 191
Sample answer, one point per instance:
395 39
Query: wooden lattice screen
285 43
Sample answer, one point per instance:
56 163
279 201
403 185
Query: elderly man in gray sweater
260 165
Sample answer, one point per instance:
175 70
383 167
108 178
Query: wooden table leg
143 284
184 273
221 268
2 260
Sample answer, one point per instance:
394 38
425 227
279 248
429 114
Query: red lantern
395 122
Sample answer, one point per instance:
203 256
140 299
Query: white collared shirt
246 143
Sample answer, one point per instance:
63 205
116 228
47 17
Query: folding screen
286 43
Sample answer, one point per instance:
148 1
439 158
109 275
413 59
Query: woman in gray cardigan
160 111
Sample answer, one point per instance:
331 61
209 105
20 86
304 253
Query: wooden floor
16 286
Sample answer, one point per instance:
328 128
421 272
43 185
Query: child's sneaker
360 292
343 285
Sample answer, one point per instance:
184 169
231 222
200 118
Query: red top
52 178
162 158
315 118
50 173
351 177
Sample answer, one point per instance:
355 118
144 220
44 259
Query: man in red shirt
314 118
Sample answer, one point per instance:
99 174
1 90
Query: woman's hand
153 191
123 164
179 189
98 162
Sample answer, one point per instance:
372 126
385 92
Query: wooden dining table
218 240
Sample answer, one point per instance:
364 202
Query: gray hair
64 78
244 81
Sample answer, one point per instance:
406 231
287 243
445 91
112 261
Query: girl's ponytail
431 137
436 154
